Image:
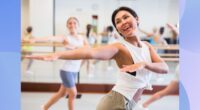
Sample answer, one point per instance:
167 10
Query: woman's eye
117 22
125 17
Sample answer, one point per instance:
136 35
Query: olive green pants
115 101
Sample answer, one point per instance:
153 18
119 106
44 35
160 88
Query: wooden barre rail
169 55
168 47
171 59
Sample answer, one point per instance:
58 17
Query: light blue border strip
10 54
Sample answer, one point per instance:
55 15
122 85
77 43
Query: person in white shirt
136 59
70 69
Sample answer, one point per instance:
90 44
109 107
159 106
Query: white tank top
73 65
128 84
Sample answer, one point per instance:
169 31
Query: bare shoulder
148 44
121 48
117 45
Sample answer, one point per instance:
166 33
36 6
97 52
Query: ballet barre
168 47
169 57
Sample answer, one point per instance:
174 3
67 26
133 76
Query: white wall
83 11
155 13
151 12
24 15
41 17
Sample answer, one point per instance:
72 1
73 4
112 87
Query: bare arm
49 39
158 65
164 42
173 28
101 53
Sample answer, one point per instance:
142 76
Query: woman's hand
50 57
133 67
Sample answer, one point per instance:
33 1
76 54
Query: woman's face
72 25
126 24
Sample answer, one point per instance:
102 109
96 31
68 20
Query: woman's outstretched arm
101 53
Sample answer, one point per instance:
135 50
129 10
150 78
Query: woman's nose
123 22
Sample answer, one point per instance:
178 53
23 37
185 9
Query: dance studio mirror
48 18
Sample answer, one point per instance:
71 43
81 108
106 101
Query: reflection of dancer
173 87
141 57
92 40
156 37
26 50
113 38
112 35
70 69
175 32
91 36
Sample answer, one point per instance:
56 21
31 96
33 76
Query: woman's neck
134 40
75 34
